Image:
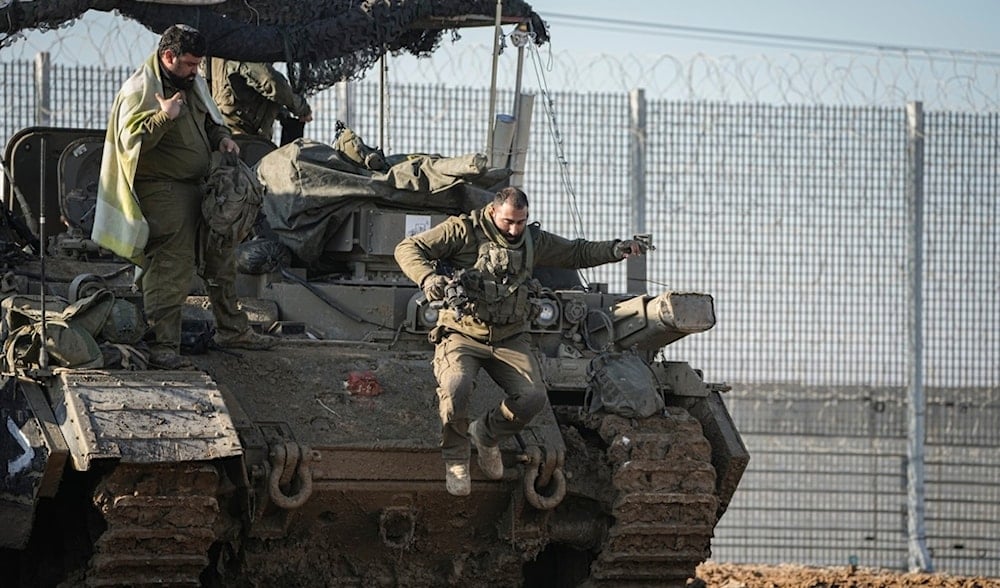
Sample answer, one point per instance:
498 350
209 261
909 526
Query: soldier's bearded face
182 69
510 220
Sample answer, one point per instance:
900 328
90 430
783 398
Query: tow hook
552 492
290 460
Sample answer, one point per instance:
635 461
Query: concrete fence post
43 89
635 270
916 401
345 102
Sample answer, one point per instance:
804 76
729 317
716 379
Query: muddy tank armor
317 462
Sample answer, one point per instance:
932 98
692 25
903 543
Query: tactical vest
499 288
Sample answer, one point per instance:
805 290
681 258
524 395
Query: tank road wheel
160 524
662 497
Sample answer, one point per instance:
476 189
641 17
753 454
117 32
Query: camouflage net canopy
322 41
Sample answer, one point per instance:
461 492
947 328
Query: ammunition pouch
514 309
498 303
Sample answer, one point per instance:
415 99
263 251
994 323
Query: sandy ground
717 575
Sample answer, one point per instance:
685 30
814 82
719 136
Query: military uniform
174 160
251 96
492 332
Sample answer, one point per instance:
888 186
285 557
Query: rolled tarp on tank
312 189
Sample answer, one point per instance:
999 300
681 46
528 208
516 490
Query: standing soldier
490 332
252 96
162 130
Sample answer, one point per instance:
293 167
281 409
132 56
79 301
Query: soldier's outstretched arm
635 246
555 251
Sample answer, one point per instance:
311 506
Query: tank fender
33 454
143 417
678 378
729 455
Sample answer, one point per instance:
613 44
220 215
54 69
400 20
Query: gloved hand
630 247
231 158
434 287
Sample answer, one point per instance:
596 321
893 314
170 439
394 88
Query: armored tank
317 462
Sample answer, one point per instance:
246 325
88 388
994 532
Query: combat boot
161 358
489 457
456 478
248 339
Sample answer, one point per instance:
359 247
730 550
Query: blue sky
958 24
624 44
628 35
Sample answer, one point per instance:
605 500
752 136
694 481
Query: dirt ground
719 575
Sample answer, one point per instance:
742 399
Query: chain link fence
797 218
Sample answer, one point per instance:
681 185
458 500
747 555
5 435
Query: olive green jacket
456 241
252 95
136 127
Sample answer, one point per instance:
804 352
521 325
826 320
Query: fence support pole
916 405
345 104
635 267
383 104
491 122
43 92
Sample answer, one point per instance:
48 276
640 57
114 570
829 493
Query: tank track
160 525
663 501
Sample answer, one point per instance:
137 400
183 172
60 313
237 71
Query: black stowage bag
622 384
196 336
261 256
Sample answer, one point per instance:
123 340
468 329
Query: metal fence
798 219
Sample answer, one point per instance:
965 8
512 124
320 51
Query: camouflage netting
322 41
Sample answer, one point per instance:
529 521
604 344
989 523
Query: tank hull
318 462
641 498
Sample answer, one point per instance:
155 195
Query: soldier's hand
227 145
172 106
434 287
630 247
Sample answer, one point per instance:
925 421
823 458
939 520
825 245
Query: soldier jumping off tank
498 251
